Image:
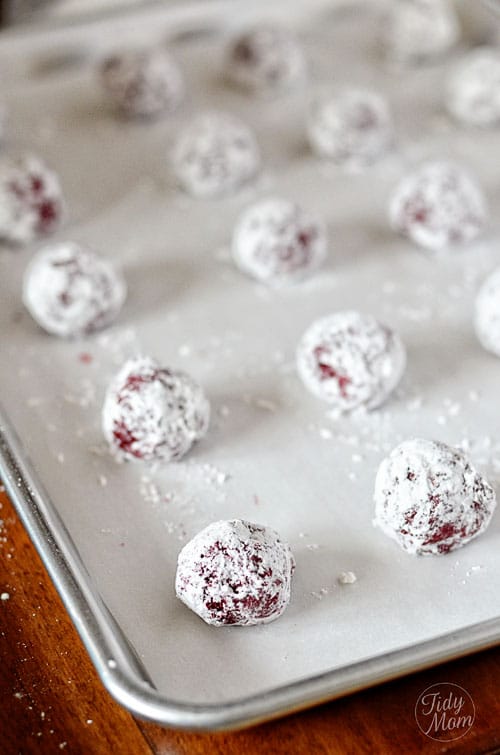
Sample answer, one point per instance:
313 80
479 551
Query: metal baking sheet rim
121 671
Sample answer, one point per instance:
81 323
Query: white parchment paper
273 455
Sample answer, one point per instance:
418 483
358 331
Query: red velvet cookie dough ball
142 83
215 155
473 89
350 360
235 572
277 242
265 60
71 292
31 202
487 313
416 31
438 206
152 413
430 499
352 127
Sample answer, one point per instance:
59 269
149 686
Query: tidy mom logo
445 711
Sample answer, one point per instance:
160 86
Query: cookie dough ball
235 572
416 31
152 413
429 498
473 91
215 155
487 313
277 242
71 292
351 361
438 206
266 60
31 202
142 83
351 127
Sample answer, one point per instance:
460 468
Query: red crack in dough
350 360
430 499
152 413
235 573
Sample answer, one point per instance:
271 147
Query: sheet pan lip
127 680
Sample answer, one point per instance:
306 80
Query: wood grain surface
52 700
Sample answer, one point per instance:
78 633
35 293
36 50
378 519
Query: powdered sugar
235 572
266 59
72 292
430 499
31 203
473 89
215 154
152 413
437 206
350 360
278 242
352 127
142 82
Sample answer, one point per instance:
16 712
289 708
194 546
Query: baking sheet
273 454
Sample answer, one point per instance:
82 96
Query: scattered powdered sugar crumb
265 404
5 596
85 397
33 401
347 578
320 594
473 570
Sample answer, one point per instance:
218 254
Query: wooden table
52 700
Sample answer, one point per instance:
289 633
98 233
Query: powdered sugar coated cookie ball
352 127
438 206
71 292
430 499
416 31
350 360
152 413
473 91
215 155
487 313
235 572
142 83
277 242
31 202
266 59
